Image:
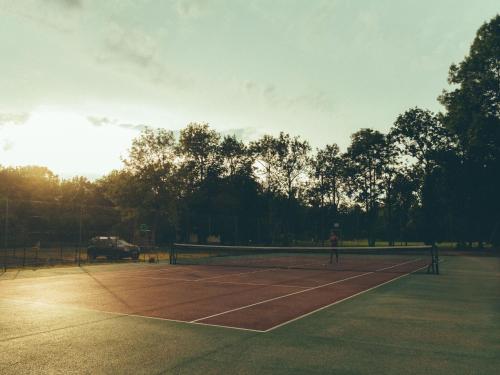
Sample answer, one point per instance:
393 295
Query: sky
79 79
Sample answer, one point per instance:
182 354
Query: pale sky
80 78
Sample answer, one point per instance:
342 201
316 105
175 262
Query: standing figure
334 242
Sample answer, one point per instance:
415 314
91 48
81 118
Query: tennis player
334 242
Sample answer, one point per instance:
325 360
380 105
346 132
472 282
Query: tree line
431 177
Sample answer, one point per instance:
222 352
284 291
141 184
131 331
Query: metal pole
6 232
436 255
80 235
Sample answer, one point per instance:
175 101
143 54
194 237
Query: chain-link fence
38 233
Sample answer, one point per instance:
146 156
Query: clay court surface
258 299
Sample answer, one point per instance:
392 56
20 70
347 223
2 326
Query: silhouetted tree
473 115
365 160
199 149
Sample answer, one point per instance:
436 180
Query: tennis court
257 289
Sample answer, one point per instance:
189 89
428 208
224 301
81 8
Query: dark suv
112 248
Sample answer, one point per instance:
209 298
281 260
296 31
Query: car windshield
124 243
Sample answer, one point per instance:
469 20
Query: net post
434 265
171 254
436 257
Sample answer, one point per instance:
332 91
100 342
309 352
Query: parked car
112 248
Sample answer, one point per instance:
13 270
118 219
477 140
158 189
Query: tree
199 146
152 162
405 202
265 153
473 115
292 163
282 164
365 160
327 169
473 107
421 137
326 180
422 141
236 158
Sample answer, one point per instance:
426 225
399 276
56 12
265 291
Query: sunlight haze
81 78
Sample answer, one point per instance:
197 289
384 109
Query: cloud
135 49
13 118
249 86
7 145
104 121
68 4
315 100
190 8
136 46
99 121
58 15
269 89
311 99
139 127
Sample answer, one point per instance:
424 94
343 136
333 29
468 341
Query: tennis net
320 258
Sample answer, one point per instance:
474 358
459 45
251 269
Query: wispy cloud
13 118
191 8
139 127
136 46
105 121
99 121
68 4
58 15
315 100
7 145
311 99
140 51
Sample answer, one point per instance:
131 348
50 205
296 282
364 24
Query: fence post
80 236
6 233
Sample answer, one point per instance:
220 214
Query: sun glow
64 142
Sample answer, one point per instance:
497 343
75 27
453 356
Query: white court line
342 300
78 308
219 282
234 274
292 267
301 291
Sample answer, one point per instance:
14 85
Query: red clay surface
244 298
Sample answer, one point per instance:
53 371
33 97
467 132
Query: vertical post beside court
80 236
436 258
6 236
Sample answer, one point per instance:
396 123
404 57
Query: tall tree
292 163
405 203
422 142
152 161
265 153
473 114
199 148
326 172
325 184
365 162
390 170
421 138
236 158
